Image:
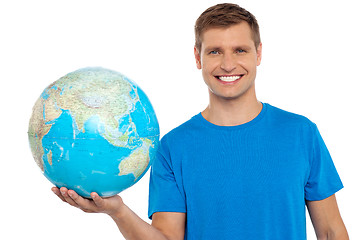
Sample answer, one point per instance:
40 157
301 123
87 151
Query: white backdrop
311 52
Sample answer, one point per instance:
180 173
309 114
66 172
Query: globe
93 130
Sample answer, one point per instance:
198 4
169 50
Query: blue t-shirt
243 182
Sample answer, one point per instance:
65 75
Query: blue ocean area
124 124
83 158
144 117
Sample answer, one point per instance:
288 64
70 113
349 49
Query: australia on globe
93 130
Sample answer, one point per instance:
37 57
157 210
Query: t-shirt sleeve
323 180
165 194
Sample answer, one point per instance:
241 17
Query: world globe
93 130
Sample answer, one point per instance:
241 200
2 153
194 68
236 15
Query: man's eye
240 51
213 52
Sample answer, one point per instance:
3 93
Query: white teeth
229 78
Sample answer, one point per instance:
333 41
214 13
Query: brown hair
222 16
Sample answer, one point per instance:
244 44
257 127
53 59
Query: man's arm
171 224
165 226
326 219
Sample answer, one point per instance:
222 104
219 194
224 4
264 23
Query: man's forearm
133 227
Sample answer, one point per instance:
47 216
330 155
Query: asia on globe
93 130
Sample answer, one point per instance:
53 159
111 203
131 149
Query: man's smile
229 79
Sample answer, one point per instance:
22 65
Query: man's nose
228 63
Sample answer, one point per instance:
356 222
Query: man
241 169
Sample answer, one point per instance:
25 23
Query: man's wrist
120 213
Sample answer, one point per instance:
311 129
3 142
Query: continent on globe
93 130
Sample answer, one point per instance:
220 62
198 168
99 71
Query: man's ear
197 56
259 54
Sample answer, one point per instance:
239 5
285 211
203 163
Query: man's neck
232 112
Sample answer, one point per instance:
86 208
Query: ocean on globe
93 130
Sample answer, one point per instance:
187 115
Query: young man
241 169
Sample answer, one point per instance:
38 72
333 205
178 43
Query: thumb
98 201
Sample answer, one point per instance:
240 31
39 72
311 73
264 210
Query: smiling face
228 60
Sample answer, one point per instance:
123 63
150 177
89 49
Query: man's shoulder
286 115
285 118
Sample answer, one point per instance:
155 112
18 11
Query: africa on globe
93 130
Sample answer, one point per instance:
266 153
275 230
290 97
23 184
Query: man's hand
111 206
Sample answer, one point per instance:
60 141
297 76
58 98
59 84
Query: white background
311 55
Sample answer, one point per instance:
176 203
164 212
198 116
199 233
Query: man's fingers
64 192
57 193
98 201
84 204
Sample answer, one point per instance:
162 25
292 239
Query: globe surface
93 130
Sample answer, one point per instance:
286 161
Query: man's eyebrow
243 47
214 48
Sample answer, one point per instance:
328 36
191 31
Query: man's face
229 60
